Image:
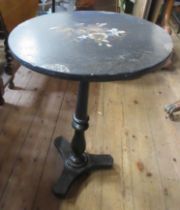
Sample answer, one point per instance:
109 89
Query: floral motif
56 67
99 33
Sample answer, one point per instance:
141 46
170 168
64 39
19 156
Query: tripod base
72 170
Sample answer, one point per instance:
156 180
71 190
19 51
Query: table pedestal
76 161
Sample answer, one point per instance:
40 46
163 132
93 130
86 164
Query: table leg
1 91
8 65
171 109
53 6
76 161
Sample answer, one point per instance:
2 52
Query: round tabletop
90 45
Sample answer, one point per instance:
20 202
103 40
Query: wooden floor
127 119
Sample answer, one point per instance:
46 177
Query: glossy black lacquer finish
76 161
92 46
68 176
87 46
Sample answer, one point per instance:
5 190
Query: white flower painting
98 33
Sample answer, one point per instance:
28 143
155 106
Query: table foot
75 167
171 109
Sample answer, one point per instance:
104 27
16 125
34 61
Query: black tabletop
93 46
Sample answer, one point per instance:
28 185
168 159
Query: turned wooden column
1 91
85 4
167 15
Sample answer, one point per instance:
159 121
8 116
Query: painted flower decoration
99 33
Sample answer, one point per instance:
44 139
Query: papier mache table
88 46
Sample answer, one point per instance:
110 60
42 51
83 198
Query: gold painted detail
99 33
